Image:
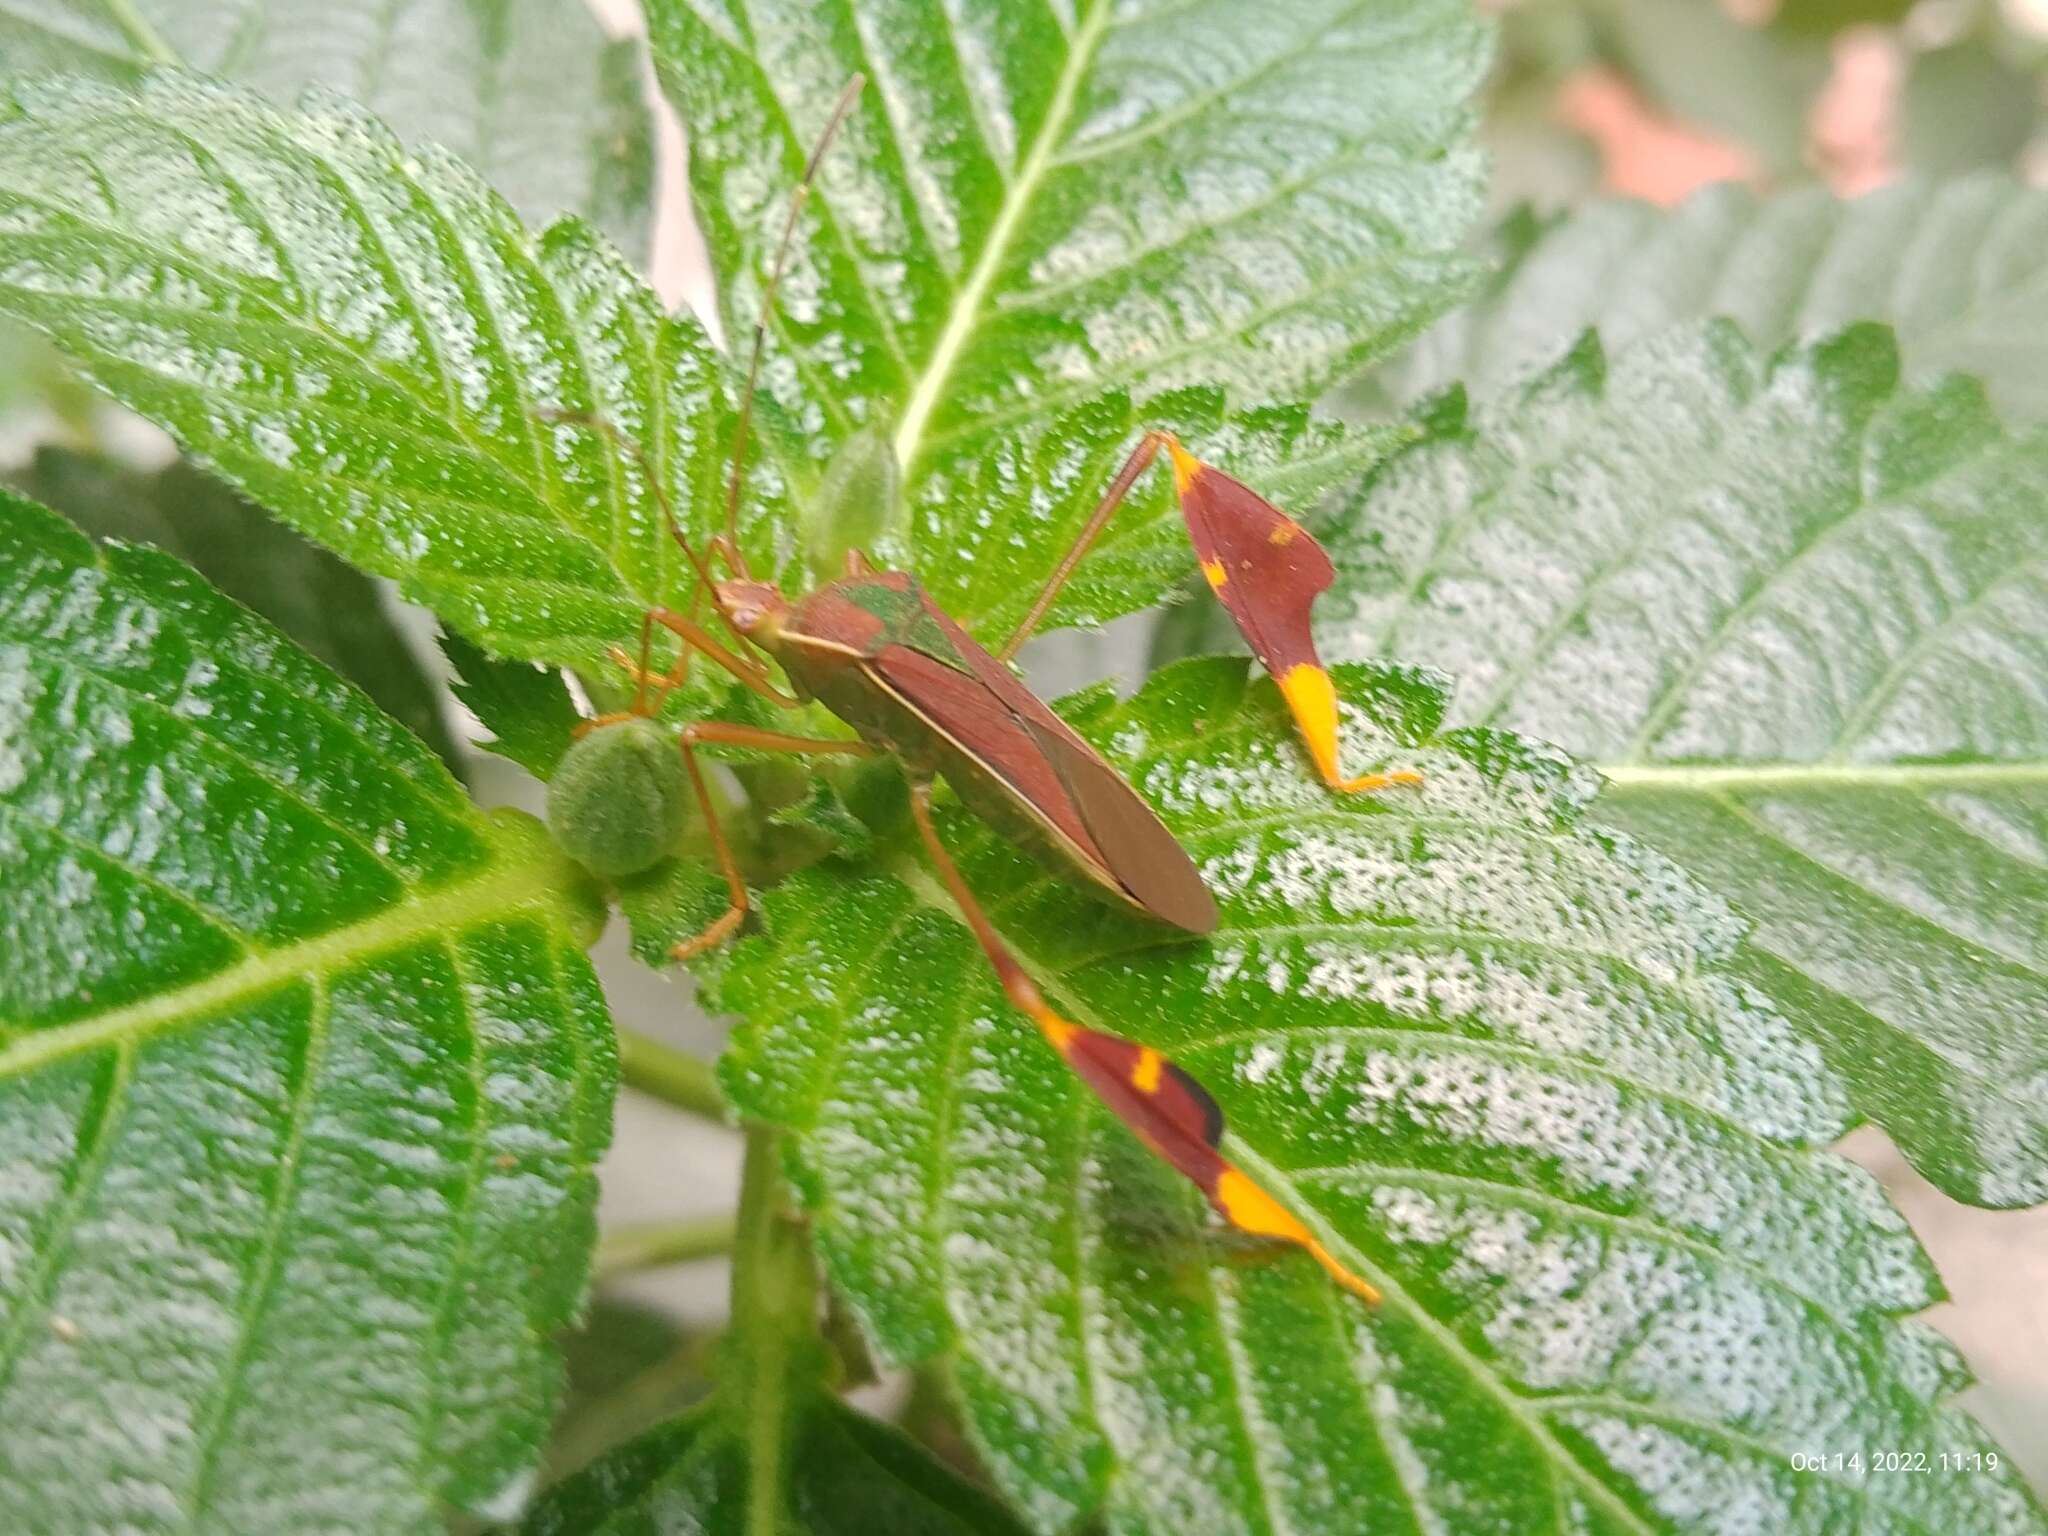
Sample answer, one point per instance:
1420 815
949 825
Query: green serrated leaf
526 708
1796 613
319 601
529 92
365 341
1504 1060
1959 268
300 1064
1035 204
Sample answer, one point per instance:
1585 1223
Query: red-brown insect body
874 649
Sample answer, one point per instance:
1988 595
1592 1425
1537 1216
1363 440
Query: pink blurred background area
1853 130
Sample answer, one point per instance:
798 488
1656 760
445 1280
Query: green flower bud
619 800
859 504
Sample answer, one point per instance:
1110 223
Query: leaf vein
1895 675
462 1215
260 1286
1750 818
95 1141
1316 42
208 745
1502 1192
217 921
963 315
1507 1050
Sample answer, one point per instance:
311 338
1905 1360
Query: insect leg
749 672
736 475
722 927
641 676
719 543
1267 571
1166 1108
1139 461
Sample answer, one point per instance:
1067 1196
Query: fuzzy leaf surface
526 708
303 1077
1958 268
319 601
1798 613
529 92
1501 1059
365 340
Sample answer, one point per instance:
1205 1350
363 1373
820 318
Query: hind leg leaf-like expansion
1167 1109
1266 571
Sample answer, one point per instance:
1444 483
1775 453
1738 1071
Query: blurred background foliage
1654 98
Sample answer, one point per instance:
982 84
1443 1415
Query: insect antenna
705 582
632 450
797 198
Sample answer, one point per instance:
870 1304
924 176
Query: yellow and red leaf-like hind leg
1267 571
1168 1110
1176 1117
1249 1208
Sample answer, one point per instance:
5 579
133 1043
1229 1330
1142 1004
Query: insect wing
1006 728
984 726
1144 856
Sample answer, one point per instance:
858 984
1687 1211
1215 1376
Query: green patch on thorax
905 619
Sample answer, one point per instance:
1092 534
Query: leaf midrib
965 312
1529 1412
537 886
1524 1409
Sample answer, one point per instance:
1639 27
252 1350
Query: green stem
136 28
774 1325
665 1073
648 1244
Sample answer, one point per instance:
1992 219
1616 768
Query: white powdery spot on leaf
18 693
